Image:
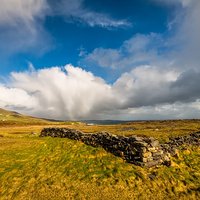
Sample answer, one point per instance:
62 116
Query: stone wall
142 151
175 142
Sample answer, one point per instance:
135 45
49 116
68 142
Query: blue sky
124 59
67 35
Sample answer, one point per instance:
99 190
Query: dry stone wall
175 142
142 151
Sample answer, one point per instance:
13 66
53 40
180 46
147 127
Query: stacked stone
141 151
193 139
175 142
62 133
151 153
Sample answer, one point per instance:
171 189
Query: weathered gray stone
155 143
142 151
146 154
158 153
152 149
140 144
152 163
144 160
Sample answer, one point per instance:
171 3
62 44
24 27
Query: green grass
54 168
10 118
34 168
13 118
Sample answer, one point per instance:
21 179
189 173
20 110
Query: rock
151 149
151 159
152 163
155 143
142 151
158 153
146 154
140 144
144 160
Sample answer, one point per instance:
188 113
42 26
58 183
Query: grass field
34 168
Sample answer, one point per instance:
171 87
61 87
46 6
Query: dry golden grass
34 168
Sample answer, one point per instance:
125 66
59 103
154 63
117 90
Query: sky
100 59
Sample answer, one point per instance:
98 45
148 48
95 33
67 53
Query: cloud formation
72 93
74 10
14 11
25 18
179 50
64 93
183 3
139 50
154 83
186 38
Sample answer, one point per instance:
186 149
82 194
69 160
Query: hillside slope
14 118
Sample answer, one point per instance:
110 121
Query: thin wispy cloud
74 11
22 28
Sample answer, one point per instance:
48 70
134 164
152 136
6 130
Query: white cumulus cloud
64 93
72 93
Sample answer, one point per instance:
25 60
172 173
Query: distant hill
15 118
104 122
